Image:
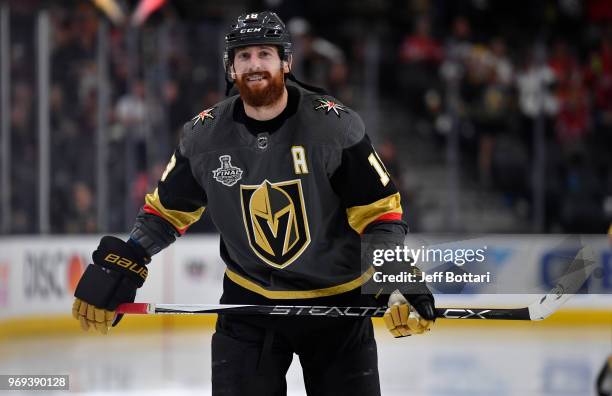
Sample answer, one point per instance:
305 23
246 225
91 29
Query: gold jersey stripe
297 294
360 216
180 220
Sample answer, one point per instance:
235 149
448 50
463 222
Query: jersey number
380 168
169 167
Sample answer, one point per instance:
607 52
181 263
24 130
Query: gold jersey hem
299 294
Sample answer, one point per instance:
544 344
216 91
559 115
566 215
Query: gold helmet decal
275 221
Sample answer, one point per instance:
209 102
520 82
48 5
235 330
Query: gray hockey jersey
290 202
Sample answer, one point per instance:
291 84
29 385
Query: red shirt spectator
420 46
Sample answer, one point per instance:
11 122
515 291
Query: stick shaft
309 310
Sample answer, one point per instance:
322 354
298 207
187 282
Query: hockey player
291 181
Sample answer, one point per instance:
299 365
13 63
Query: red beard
261 96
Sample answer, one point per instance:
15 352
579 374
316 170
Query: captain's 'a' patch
275 221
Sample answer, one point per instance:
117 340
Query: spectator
82 217
573 119
419 57
131 113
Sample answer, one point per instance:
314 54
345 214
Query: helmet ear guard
231 71
287 64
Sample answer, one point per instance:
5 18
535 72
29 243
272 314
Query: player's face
259 74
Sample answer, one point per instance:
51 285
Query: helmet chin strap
229 84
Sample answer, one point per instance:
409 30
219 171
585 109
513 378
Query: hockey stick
316 310
570 283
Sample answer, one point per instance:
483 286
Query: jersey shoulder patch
203 116
338 124
198 130
327 105
209 116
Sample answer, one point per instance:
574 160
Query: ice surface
526 360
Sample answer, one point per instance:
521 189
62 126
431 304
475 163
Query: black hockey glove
423 301
118 271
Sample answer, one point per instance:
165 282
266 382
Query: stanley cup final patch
227 174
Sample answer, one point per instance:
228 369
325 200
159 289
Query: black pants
251 355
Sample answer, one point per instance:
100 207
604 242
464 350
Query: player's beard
264 96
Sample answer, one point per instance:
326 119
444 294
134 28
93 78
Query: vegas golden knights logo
275 221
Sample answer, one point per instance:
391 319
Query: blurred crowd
541 97
151 95
467 68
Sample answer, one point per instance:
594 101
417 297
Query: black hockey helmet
257 28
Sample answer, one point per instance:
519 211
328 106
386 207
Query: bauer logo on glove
128 264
